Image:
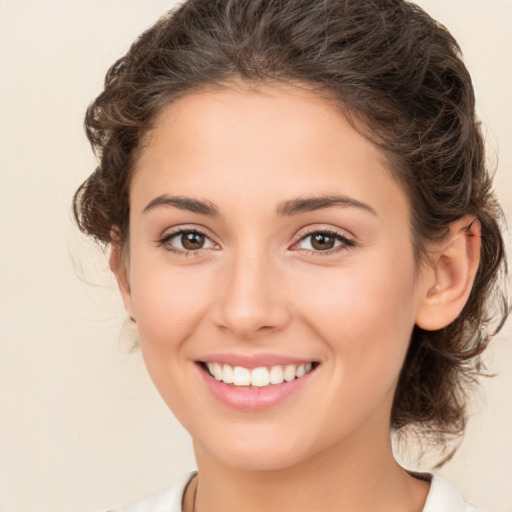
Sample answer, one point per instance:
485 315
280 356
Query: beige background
81 427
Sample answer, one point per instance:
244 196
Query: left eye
322 241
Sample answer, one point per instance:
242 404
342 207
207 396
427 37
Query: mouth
257 378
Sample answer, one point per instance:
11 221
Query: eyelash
346 243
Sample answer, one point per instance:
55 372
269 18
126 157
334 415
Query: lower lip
253 399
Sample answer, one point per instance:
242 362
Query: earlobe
453 271
119 268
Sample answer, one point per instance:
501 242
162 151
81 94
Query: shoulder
443 497
167 499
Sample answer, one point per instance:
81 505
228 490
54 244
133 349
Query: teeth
289 373
241 376
217 371
276 375
227 374
258 377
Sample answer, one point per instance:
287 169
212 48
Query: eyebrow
184 203
284 209
309 204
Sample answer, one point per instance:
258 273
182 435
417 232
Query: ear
449 280
119 266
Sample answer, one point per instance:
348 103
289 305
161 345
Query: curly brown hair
397 74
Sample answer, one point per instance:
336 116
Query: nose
251 299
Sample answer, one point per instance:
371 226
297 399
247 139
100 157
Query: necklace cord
195 495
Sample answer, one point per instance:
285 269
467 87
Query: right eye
185 241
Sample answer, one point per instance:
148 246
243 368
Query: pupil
322 242
192 241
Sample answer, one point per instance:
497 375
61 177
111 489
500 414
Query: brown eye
192 241
184 241
322 241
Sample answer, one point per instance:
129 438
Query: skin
258 286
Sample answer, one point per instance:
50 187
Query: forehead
254 115
266 143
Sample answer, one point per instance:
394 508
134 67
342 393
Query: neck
343 478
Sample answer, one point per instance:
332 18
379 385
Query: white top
442 497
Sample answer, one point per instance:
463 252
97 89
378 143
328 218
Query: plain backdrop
81 427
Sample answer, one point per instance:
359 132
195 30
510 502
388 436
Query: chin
258 461
249 454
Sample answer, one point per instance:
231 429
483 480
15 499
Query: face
270 246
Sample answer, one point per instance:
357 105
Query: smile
261 377
257 382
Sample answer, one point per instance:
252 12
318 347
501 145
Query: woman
302 228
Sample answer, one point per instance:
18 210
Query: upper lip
252 361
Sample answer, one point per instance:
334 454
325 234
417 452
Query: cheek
167 305
365 316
